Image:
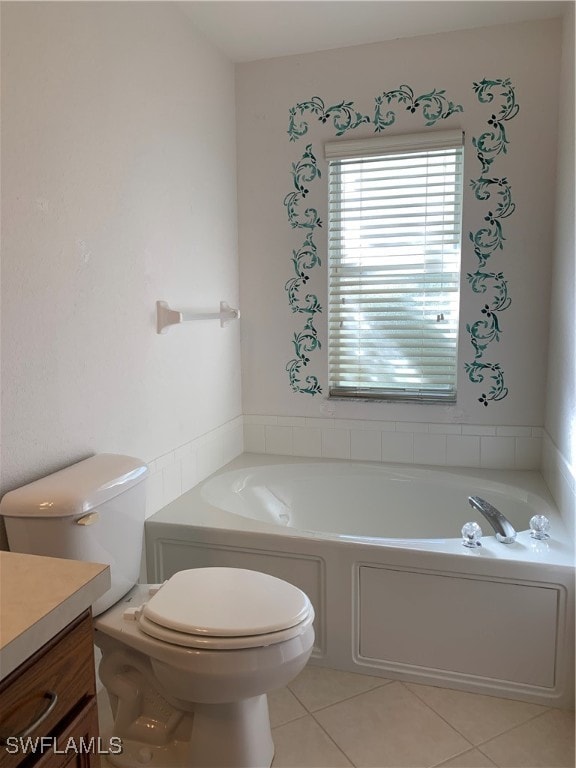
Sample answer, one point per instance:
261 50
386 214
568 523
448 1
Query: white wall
560 444
526 53
118 189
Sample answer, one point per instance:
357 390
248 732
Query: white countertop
39 596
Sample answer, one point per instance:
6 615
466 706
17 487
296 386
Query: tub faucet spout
502 526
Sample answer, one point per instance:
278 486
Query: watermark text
79 745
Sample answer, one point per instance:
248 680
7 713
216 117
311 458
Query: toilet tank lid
75 489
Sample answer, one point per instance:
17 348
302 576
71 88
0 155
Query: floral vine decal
303 172
434 105
304 342
303 260
344 117
490 238
493 142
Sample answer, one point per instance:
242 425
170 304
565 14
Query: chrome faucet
502 526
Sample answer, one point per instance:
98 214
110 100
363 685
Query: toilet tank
93 510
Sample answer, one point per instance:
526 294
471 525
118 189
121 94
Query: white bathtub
378 550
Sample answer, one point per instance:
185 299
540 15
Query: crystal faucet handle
471 535
539 527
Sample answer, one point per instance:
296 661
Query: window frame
370 149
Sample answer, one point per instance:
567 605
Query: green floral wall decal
476 372
343 115
305 171
493 142
304 342
304 260
489 238
435 106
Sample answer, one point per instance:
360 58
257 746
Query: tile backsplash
178 471
458 445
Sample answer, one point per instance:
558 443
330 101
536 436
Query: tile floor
331 719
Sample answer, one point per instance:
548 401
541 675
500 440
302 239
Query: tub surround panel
395 608
559 442
561 481
466 445
560 418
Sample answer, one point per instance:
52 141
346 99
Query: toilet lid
226 602
221 643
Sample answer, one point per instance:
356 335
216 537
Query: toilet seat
225 608
230 643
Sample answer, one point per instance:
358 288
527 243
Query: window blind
394 266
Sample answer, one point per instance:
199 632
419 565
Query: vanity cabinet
85 726
52 695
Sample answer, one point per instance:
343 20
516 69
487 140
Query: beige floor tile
284 707
303 744
477 717
318 687
472 759
390 727
545 742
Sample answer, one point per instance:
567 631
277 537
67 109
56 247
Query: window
394 266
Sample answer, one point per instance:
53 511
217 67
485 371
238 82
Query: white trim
380 145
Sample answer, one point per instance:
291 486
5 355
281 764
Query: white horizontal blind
394 268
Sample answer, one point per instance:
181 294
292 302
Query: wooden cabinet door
52 696
82 732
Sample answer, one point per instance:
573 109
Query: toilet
187 664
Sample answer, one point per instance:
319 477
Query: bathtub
378 550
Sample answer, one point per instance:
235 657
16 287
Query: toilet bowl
187 664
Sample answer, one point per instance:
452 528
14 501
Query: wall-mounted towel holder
165 317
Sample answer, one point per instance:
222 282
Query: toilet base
235 735
223 736
164 733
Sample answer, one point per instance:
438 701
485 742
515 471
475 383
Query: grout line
479 748
297 699
348 698
513 728
468 748
289 722
449 759
338 747
439 765
449 724
310 714
491 738
354 695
